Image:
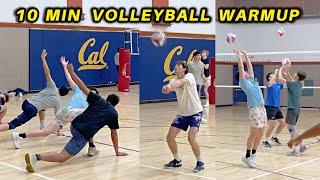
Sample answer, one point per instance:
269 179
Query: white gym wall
300 36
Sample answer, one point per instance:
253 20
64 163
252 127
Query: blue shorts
183 122
76 143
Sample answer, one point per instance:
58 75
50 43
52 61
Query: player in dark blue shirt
99 113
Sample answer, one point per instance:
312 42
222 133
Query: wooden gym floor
103 166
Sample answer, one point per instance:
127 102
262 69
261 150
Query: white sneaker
250 162
16 140
92 151
303 148
30 160
42 127
20 94
294 153
204 121
206 105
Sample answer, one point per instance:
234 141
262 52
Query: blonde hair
205 51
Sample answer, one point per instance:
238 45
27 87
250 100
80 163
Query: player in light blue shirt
257 111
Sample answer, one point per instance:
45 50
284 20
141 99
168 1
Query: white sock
198 159
42 123
176 157
275 135
266 139
297 148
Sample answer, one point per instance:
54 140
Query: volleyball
280 32
158 39
231 38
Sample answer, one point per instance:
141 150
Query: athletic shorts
292 116
274 113
207 81
258 117
76 143
183 122
67 115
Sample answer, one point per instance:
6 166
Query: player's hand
237 52
63 61
44 54
244 52
70 68
294 142
121 154
166 89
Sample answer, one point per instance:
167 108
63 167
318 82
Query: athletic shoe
249 162
199 167
253 157
30 160
294 153
276 140
204 121
303 148
174 163
92 151
206 105
16 140
266 144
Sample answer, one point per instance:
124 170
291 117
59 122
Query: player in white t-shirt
189 114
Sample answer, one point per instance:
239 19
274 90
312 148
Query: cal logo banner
157 63
91 53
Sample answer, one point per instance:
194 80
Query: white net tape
294 56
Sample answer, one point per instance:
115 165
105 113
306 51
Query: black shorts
274 113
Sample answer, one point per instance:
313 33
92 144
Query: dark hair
237 76
268 76
184 65
118 49
196 53
302 75
63 91
94 90
113 99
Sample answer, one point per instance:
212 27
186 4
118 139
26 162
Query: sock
198 159
254 151
266 139
297 148
248 153
91 144
23 135
275 135
176 157
38 157
42 123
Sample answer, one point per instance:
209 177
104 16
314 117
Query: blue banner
91 53
157 63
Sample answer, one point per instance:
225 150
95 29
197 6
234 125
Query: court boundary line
285 168
23 170
181 173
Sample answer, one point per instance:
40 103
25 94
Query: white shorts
207 81
66 115
258 117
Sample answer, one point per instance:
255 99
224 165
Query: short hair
196 53
113 99
205 51
184 65
268 76
302 75
63 91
